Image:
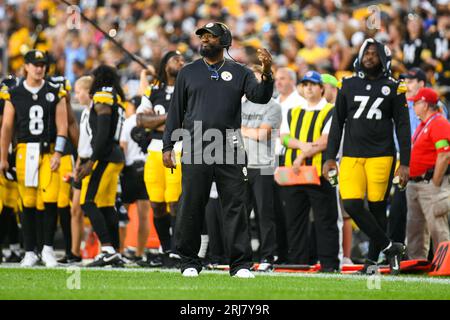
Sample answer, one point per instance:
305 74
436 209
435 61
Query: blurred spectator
74 51
78 69
312 53
414 42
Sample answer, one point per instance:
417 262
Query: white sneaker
244 273
48 257
30 259
190 272
347 261
264 267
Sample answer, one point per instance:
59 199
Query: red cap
425 94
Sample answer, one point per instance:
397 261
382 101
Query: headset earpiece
225 38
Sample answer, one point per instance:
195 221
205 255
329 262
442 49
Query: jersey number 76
373 111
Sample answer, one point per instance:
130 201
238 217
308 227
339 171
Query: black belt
427 176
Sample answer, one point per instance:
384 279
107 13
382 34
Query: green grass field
40 283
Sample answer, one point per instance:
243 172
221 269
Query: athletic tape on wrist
60 144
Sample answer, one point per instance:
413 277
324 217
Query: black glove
142 137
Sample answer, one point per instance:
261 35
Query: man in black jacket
207 105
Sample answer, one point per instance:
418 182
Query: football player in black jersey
369 104
9 192
66 168
100 174
36 113
163 185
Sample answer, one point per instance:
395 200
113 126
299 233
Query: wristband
60 144
286 140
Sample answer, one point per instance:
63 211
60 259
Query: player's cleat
63 260
244 274
190 273
151 261
155 262
265 266
48 257
171 260
29 260
14 257
70 259
369 267
394 254
106 259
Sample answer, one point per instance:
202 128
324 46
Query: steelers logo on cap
227 76
386 90
38 55
210 25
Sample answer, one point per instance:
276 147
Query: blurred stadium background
322 35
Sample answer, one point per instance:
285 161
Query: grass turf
40 283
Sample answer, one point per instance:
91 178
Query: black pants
280 223
397 216
260 198
297 201
196 186
214 226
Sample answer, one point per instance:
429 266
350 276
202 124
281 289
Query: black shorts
132 183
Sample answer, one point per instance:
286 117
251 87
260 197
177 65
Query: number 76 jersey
35 112
369 109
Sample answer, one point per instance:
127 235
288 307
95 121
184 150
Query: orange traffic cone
441 262
92 246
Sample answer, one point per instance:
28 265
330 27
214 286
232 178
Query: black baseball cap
415 73
214 28
35 57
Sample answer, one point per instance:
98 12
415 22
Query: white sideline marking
403 278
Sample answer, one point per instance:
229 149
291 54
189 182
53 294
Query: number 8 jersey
369 109
35 110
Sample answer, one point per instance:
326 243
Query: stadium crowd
311 43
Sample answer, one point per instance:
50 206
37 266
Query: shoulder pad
56 79
341 82
67 85
54 85
103 96
148 91
62 93
107 89
401 87
393 80
4 93
121 103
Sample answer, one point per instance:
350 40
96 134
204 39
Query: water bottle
333 177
